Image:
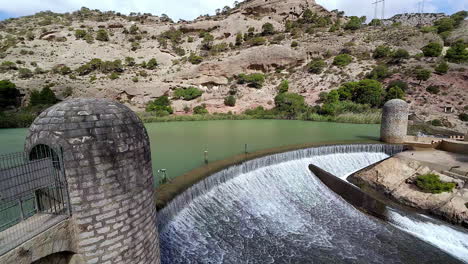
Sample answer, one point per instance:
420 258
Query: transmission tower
376 3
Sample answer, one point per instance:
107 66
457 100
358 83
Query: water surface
179 146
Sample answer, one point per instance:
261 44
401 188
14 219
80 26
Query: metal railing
33 194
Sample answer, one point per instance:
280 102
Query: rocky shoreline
395 178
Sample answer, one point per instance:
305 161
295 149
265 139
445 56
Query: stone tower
394 121
107 164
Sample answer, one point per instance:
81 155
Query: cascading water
274 210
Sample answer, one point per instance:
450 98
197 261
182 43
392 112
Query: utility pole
376 3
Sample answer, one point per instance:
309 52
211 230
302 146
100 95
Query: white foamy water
274 210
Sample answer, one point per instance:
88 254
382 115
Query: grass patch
431 183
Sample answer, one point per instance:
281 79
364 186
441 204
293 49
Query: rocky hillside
137 58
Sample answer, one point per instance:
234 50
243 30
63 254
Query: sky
190 9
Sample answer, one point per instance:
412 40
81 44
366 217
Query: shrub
221 47
382 52
442 68
133 29
8 65
444 25
62 69
207 42
200 110
422 75
187 94
230 101
254 80
436 122
294 44
379 72
399 55
431 183
114 76
290 105
135 46
429 29
283 87
268 29
102 35
9 94
398 83
45 97
130 61
316 66
161 106
239 39
195 59
463 117
432 49
135 79
354 23
342 60
457 52
433 89
80 33
25 73
143 73
89 38
151 64
375 22
258 41
395 93
368 92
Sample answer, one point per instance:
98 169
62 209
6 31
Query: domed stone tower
394 125
107 164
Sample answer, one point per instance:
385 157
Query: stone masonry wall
107 161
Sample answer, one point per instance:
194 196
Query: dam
275 210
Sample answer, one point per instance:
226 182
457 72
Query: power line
376 3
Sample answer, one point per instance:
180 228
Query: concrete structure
394 121
108 167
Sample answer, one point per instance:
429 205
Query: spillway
274 210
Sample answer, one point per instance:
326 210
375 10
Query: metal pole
206 156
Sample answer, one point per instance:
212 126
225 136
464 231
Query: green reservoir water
179 146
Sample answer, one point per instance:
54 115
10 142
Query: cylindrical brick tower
107 164
394 121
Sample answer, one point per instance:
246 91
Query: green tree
200 110
457 52
433 89
290 104
368 92
102 35
432 49
283 87
230 101
422 75
375 22
9 94
398 83
161 106
379 72
316 66
444 24
207 42
255 80
382 52
399 55
45 97
342 60
354 23
268 29
395 93
442 68
187 94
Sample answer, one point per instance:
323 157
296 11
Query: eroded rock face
395 178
